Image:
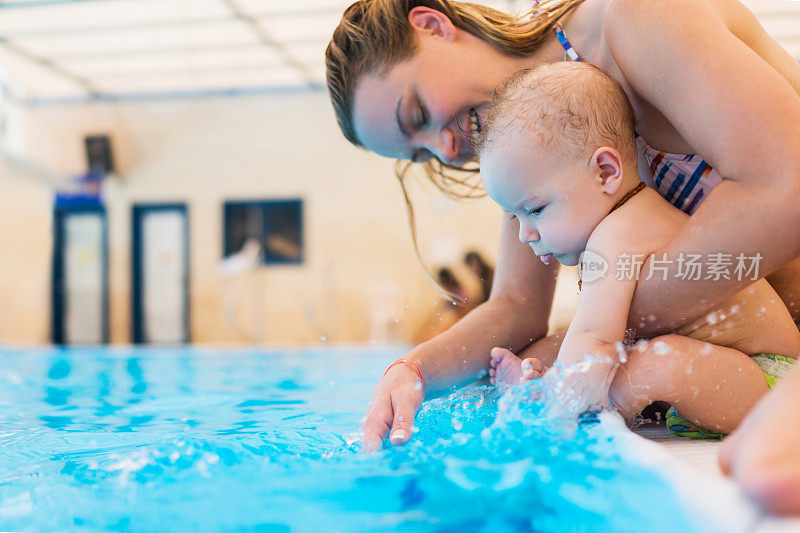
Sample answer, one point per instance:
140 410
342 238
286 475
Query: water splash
226 444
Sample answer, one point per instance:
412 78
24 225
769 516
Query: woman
408 79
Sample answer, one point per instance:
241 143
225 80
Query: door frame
57 298
138 212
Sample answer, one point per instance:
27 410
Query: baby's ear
606 165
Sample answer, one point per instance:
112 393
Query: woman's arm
515 315
742 117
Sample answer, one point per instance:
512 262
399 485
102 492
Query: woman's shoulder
619 13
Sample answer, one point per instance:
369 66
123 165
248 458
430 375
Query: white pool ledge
691 467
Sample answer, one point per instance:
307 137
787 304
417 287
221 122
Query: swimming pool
201 439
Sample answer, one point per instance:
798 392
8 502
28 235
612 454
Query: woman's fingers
405 408
377 423
727 451
394 405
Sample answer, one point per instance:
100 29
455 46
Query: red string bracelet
413 365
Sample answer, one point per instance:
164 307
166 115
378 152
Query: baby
557 152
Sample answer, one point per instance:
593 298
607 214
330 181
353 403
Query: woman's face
425 106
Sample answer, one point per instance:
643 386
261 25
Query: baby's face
556 199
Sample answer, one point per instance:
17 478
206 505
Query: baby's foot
532 368
505 367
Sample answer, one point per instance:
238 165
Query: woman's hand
761 455
395 402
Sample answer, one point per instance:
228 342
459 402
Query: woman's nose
444 145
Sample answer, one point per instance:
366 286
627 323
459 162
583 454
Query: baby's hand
532 368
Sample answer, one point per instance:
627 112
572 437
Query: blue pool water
211 440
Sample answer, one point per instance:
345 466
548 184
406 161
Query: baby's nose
528 235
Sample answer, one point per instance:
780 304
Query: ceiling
66 51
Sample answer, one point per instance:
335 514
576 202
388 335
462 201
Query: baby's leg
762 455
710 385
545 349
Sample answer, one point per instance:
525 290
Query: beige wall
359 260
25 244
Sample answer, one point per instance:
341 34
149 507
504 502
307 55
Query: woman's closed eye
420 118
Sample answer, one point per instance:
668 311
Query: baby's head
557 151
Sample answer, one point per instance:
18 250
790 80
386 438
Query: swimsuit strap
562 38
630 194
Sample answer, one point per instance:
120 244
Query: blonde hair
375 35
571 107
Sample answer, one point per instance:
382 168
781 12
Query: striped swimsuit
683 180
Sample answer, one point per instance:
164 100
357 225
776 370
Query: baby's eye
535 212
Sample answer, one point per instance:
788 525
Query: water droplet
661 348
622 355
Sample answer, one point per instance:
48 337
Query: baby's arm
601 317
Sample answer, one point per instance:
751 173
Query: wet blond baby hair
571 107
